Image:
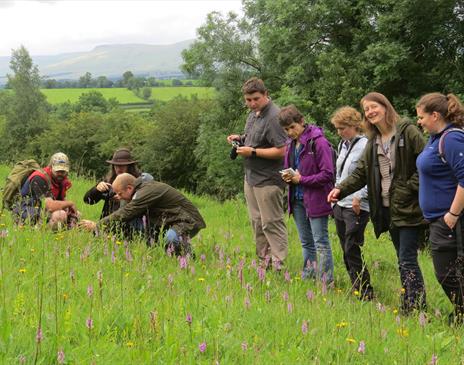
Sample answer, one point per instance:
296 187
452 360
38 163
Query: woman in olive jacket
388 168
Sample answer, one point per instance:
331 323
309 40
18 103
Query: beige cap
59 162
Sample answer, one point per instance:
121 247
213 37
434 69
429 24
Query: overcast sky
52 27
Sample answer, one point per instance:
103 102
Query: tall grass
102 300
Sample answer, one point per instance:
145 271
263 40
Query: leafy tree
146 93
126 76
92 101
27 110
176 82
85 80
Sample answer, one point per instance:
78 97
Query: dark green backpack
15 180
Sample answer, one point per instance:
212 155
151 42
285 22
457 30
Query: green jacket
404 200
162 205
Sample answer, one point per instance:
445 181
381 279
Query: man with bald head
164 208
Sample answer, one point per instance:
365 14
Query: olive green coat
404 200
162 205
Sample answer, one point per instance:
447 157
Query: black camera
109 194
233 152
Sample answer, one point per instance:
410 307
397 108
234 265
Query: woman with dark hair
121 162
441 191
309 154
388 168
351 214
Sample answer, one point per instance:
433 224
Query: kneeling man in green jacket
158 207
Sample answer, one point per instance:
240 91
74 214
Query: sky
47 27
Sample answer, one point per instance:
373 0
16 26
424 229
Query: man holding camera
263 147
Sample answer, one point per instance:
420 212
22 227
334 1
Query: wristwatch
253 152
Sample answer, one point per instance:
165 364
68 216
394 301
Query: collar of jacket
311 132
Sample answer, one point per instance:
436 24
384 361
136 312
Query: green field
105 301
125 96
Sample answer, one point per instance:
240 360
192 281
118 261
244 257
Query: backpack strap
441 142
348 153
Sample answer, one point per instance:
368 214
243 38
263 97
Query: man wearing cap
164 207
49 184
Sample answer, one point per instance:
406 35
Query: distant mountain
109 60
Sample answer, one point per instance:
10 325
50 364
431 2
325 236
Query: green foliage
326 53
26 108
167 150
141 301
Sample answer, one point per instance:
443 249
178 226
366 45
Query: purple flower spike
60 357
39 335
89 323
188 319
362 347
304 327
202 347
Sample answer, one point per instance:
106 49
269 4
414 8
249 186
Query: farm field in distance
125 96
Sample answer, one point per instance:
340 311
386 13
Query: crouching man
48 186
165 210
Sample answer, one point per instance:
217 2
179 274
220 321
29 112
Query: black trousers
448 260
350 230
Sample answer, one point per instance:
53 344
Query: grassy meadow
74 298
125 96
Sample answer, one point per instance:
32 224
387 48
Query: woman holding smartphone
309 154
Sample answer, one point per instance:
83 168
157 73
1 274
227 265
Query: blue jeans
406 242
314 237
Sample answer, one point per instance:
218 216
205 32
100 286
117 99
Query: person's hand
356 205
103 186
244 151
232 137
87 225
333 195
292 179
450 220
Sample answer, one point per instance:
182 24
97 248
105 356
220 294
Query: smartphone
288 171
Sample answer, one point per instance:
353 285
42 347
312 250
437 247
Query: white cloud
51 27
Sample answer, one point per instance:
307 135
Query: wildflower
253 263
381 307
304 327
128 255
202 347
422 319
130 344
89 323
201 279
22 270
192 270
153 319
342 324
350 340
119 243
356 293
60 357
261 274
362 347
100 277
22 358
188 319
437 313
287 276
39 335
285 296
244 346
90 291
3 233
182 262
395 311
289 307
203 257
267 295
247 302
434 360
310 295
170 250
402 290
403 332
65 297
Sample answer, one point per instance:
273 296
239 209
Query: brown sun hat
122 157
